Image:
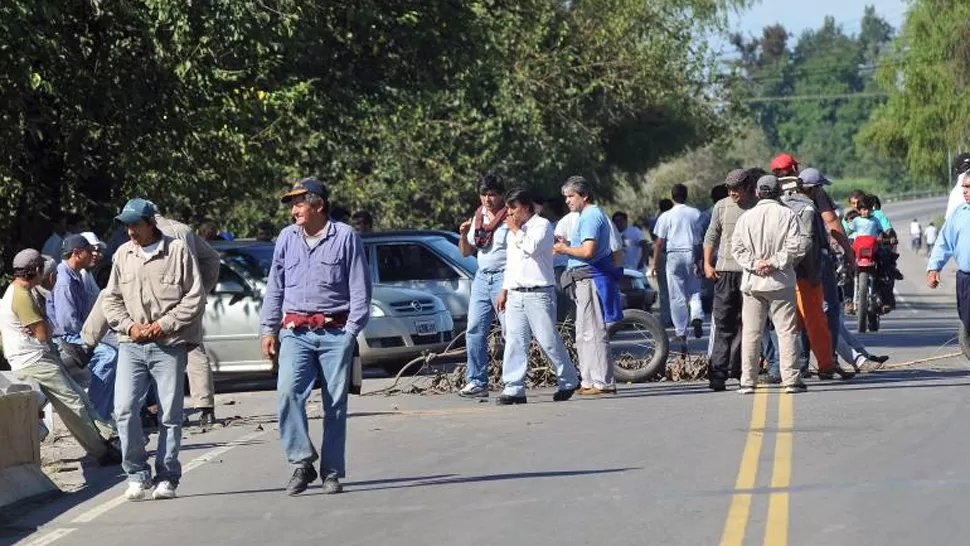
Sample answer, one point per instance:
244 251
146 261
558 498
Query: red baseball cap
784 162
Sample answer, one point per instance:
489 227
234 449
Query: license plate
425 327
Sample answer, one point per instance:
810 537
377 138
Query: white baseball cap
93 239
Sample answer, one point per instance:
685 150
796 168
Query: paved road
877 460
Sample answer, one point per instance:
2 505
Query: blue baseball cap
136 209
812 177
303 187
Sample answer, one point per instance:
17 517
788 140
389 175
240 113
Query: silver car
403 325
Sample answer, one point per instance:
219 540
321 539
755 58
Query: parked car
429 260
404 323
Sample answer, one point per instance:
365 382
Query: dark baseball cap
768 185
961 164
134 210
27 259
813 177
735 178
303 187
74 242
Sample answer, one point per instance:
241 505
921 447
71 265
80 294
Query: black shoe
507 400
302 477
880 359
111 457
826 376
843 373
331 485
698 327
563 394
207 417
717 384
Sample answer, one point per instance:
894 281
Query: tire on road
862 289
651 365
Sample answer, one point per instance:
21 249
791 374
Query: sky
799 15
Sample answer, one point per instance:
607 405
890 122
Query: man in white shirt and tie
528 298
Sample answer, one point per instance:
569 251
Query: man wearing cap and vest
767 242
27 348
317 300
727 274
68 307
199 369
954 241
153 301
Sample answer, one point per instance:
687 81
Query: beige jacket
769 231
166 288
208 257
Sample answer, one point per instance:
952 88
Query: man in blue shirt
68 307
484 235
591 276
954 240
317 300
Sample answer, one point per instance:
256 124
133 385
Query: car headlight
376 311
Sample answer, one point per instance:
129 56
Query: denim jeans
481 308
304 356
141 366
530 314
102 367
769 349
831 304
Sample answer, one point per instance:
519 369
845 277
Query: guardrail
21 476
911 195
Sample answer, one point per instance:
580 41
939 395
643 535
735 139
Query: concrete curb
21 477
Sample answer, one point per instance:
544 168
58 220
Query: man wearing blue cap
317 300
153 301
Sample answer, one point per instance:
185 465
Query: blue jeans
530 314
769 348
141 365
304 356
831 305
481 308
101 367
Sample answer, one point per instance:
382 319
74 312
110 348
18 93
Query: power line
796 98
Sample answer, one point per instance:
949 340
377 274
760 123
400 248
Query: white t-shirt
915 229
150 250
631 238
930 234
20 348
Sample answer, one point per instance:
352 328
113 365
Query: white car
404 323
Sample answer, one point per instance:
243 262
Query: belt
314 322
532 288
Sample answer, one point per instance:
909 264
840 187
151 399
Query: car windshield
254 260
449 247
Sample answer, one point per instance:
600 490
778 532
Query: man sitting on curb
27 347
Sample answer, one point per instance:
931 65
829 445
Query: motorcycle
874 283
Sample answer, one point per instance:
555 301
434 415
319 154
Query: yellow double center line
776 531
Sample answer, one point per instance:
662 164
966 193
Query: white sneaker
164 490
138 491
746 390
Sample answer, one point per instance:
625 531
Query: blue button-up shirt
331 278
68 305
954 240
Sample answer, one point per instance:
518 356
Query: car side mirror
232 288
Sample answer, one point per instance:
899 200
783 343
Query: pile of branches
541 373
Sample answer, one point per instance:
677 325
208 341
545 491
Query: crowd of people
766 255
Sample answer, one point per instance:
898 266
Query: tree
927 113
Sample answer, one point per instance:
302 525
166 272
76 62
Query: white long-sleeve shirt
528 261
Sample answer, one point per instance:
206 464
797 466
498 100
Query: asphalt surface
876 460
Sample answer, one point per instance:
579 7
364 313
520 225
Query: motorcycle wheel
862 289
641 333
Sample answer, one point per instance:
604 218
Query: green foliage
208 107
927 112
811 97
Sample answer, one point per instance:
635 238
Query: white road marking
104 507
